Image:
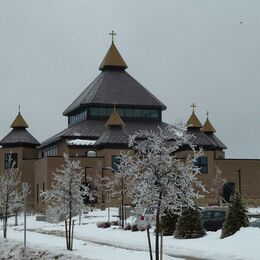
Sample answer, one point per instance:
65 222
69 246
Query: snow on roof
81 142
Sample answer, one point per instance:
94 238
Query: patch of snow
81 142
113 243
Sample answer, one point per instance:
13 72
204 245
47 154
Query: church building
100 120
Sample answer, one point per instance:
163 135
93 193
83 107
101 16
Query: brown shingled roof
19 137
115 85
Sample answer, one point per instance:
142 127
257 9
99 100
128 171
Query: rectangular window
11 159
137 113
115 162
50 152
202 163
123 112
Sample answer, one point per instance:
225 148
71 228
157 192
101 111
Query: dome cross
112 35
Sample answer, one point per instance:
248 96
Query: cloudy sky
201 51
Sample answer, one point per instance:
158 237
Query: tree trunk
5 226
157 227
161 253
72 234
122 204
149 244
70 217
5 219
66 233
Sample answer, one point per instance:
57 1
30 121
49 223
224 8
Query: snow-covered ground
112 243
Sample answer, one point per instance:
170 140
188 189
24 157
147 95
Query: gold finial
112 35
208 127
193 121
193 107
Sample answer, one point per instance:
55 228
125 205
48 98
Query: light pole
122 201
25 188
102 187
239 181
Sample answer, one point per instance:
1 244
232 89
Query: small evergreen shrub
127 227
103 224
168 224
134 228
115 223
189 224
236 216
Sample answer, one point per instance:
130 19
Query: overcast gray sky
201 51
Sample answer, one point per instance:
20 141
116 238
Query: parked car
255 223
213 218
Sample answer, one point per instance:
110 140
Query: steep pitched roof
115 85
93 129
114 135
194 121
113 59
208 127
19 122
115 119
19 137
201 139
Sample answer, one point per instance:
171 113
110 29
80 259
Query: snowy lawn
112 243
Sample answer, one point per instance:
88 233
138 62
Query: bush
127 227
168 224
134 228
189 224
236 216
103 224
115 223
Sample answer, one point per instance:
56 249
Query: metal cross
193 107
112 34
114 104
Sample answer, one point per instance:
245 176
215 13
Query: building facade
100 121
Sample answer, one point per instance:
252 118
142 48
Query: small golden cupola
19 136
19 121
193 121
115 119
208 127
113 59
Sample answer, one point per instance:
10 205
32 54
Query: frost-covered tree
161 180
120 182
66 195
217 185
9 191
17 206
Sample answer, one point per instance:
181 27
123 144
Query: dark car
255 223
213 218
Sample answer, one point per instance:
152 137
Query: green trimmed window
11 159
115 162
202 163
